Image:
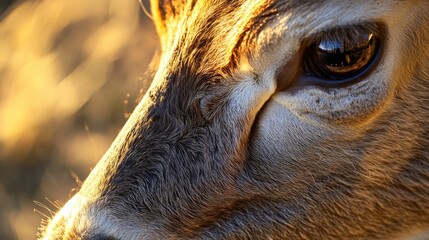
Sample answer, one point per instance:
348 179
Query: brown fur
216 150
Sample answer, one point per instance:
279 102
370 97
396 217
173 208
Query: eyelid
339 32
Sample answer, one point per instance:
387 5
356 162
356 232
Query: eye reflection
341 57
331 46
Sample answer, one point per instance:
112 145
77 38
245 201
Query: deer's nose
75 221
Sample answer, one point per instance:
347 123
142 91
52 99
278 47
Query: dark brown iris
341 57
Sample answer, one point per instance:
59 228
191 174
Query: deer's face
271 119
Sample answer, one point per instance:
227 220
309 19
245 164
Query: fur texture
219 149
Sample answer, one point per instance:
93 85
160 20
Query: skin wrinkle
222 147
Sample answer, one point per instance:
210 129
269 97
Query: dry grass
70 71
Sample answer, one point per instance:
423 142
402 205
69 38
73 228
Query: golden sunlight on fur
265 119
270 119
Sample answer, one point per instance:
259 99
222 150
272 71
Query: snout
76 221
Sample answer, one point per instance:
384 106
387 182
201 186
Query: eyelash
339 32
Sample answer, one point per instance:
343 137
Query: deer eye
342 56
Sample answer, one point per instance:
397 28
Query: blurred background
70 74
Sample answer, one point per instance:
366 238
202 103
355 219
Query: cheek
283 146
283 136
295 152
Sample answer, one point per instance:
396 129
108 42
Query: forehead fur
217 32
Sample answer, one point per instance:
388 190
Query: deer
270 119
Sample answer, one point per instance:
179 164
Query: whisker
56 204
43 206
76 179
146 12
43 215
